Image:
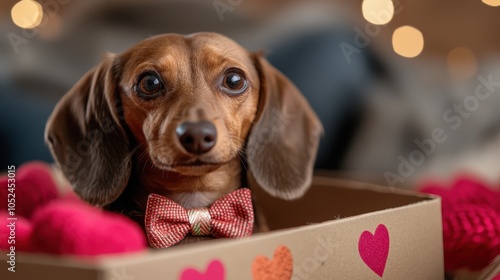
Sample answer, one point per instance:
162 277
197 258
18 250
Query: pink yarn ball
432 187
471 237
473 191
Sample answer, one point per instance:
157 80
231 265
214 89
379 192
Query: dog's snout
197 137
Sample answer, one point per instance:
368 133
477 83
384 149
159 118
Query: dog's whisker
243 160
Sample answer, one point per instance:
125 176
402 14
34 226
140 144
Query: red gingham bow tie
167 223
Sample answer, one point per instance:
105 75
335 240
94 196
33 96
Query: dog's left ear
284 139
86 137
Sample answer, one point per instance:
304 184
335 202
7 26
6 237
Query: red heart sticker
374 249
215 271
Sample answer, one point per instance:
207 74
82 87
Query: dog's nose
197 137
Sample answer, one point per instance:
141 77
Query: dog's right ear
86 138
284 139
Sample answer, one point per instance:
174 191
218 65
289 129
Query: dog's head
192 104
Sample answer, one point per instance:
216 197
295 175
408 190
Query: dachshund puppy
191 118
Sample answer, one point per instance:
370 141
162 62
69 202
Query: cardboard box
340 230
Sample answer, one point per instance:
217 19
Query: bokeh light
27 14
462 63
493 3
378 11
408 41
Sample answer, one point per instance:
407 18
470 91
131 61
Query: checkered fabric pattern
167 223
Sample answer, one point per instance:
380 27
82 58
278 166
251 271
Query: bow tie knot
167 223
199 219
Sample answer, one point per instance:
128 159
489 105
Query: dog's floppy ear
284 139
86 138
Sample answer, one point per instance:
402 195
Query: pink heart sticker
374 249
215 271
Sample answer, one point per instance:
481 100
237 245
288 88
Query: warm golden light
493 3
27 14
407 41
462 63
378 11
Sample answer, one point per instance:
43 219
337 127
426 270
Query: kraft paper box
340 230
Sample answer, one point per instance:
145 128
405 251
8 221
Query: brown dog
186 117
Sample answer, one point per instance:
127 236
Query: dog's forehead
200 46
214 41
214 49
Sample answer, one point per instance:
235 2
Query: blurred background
405 89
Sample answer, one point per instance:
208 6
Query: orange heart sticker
280 267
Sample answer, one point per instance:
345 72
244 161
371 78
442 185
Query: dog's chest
190 200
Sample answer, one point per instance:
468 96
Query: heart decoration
215 271
374 249
280 267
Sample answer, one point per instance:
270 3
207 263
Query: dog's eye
234 82
149 85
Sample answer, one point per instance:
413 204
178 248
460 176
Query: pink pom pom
21 237
71 196
66 227
34 187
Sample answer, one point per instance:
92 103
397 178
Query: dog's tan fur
116 148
